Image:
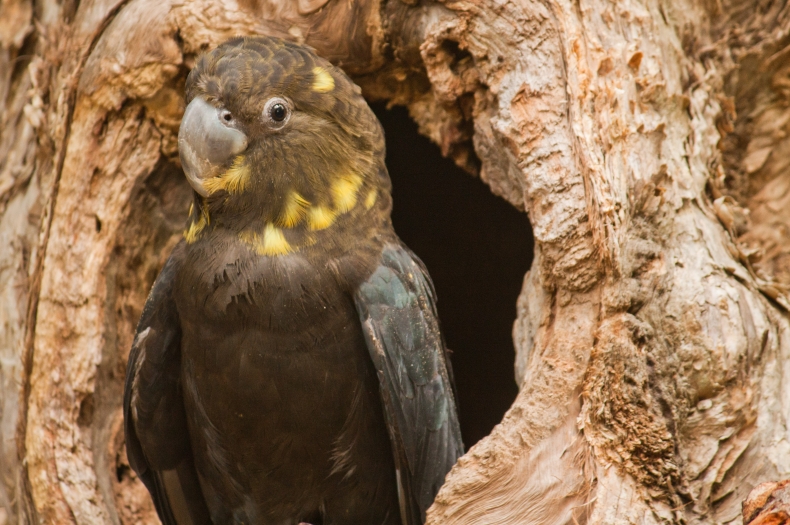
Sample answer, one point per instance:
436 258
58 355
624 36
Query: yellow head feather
323 81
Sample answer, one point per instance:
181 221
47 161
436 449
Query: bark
768 504
646 139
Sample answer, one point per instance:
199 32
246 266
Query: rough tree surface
768 504
647 140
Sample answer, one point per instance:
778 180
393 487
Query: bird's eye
226 116
276 112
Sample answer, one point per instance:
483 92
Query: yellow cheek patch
272 242
344 192
320 217
323 81
234 181
192 233
370 200
294 210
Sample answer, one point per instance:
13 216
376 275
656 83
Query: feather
157 442
397 310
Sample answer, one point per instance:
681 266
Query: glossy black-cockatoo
288 366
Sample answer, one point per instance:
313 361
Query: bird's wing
397 309
157 440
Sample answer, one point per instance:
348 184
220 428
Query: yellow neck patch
344 192
192 233
234 181
294 210
320 217
370 200
272 242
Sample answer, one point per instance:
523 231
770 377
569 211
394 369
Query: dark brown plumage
288 366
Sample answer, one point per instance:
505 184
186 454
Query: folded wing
157 441
397 309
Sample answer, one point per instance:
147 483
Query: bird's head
278 145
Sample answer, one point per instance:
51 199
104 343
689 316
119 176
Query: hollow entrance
477 248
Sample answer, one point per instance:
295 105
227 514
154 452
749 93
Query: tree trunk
768 504
647 140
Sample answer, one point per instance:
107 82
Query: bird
288 366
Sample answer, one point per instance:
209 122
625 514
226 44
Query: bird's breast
223 282
273 359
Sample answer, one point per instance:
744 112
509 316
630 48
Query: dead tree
646 139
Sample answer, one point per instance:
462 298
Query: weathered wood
647 140
768 504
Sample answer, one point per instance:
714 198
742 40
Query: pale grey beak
206 143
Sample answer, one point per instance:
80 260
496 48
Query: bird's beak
206 144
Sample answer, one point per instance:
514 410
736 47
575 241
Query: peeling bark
768 504
647 140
